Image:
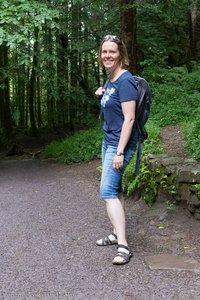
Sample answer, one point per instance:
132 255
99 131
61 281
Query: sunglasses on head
112 38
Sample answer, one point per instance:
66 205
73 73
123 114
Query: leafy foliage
65 69
19 18
192 136
176 96
146 181
197 187
164 19
84 145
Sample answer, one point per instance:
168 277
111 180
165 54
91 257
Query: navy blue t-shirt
121 90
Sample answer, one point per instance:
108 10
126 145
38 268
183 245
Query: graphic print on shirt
106 96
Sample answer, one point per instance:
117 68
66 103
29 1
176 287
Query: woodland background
49 68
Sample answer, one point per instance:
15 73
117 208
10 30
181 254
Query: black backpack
142 114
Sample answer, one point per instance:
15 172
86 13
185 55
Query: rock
177 177
189 174
172 262
184 191
194 201
169 163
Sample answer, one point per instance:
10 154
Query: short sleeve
127 90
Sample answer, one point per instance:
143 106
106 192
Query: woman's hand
118 162
99 92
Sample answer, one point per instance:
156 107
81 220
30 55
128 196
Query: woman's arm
128 109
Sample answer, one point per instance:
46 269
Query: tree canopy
48 53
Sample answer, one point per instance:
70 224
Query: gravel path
50 218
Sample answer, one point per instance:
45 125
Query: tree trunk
5 114
21 95
50 79
74 61
32 84
194 21
62 80
38 106
128 28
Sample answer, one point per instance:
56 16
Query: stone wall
185 174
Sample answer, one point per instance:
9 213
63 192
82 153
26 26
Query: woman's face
110 55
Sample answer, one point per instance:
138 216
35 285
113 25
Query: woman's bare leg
116 215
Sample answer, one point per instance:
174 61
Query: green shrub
84 145
192 136
146 182
197 187
176 96
149 181
176 100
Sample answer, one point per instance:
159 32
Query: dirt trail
173 141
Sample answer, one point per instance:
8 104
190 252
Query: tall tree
32 82
50 77
21 95
5 114
128 27
62 78
194 28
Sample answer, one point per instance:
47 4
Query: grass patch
84 145
192 137
176 96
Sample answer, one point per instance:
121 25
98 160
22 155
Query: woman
118 103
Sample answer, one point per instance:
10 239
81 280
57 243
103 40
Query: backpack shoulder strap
139 156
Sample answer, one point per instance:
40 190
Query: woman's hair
124 60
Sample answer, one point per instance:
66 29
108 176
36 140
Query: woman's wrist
119 153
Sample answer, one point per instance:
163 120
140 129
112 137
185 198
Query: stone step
172 262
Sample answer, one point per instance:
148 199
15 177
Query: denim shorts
111 179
